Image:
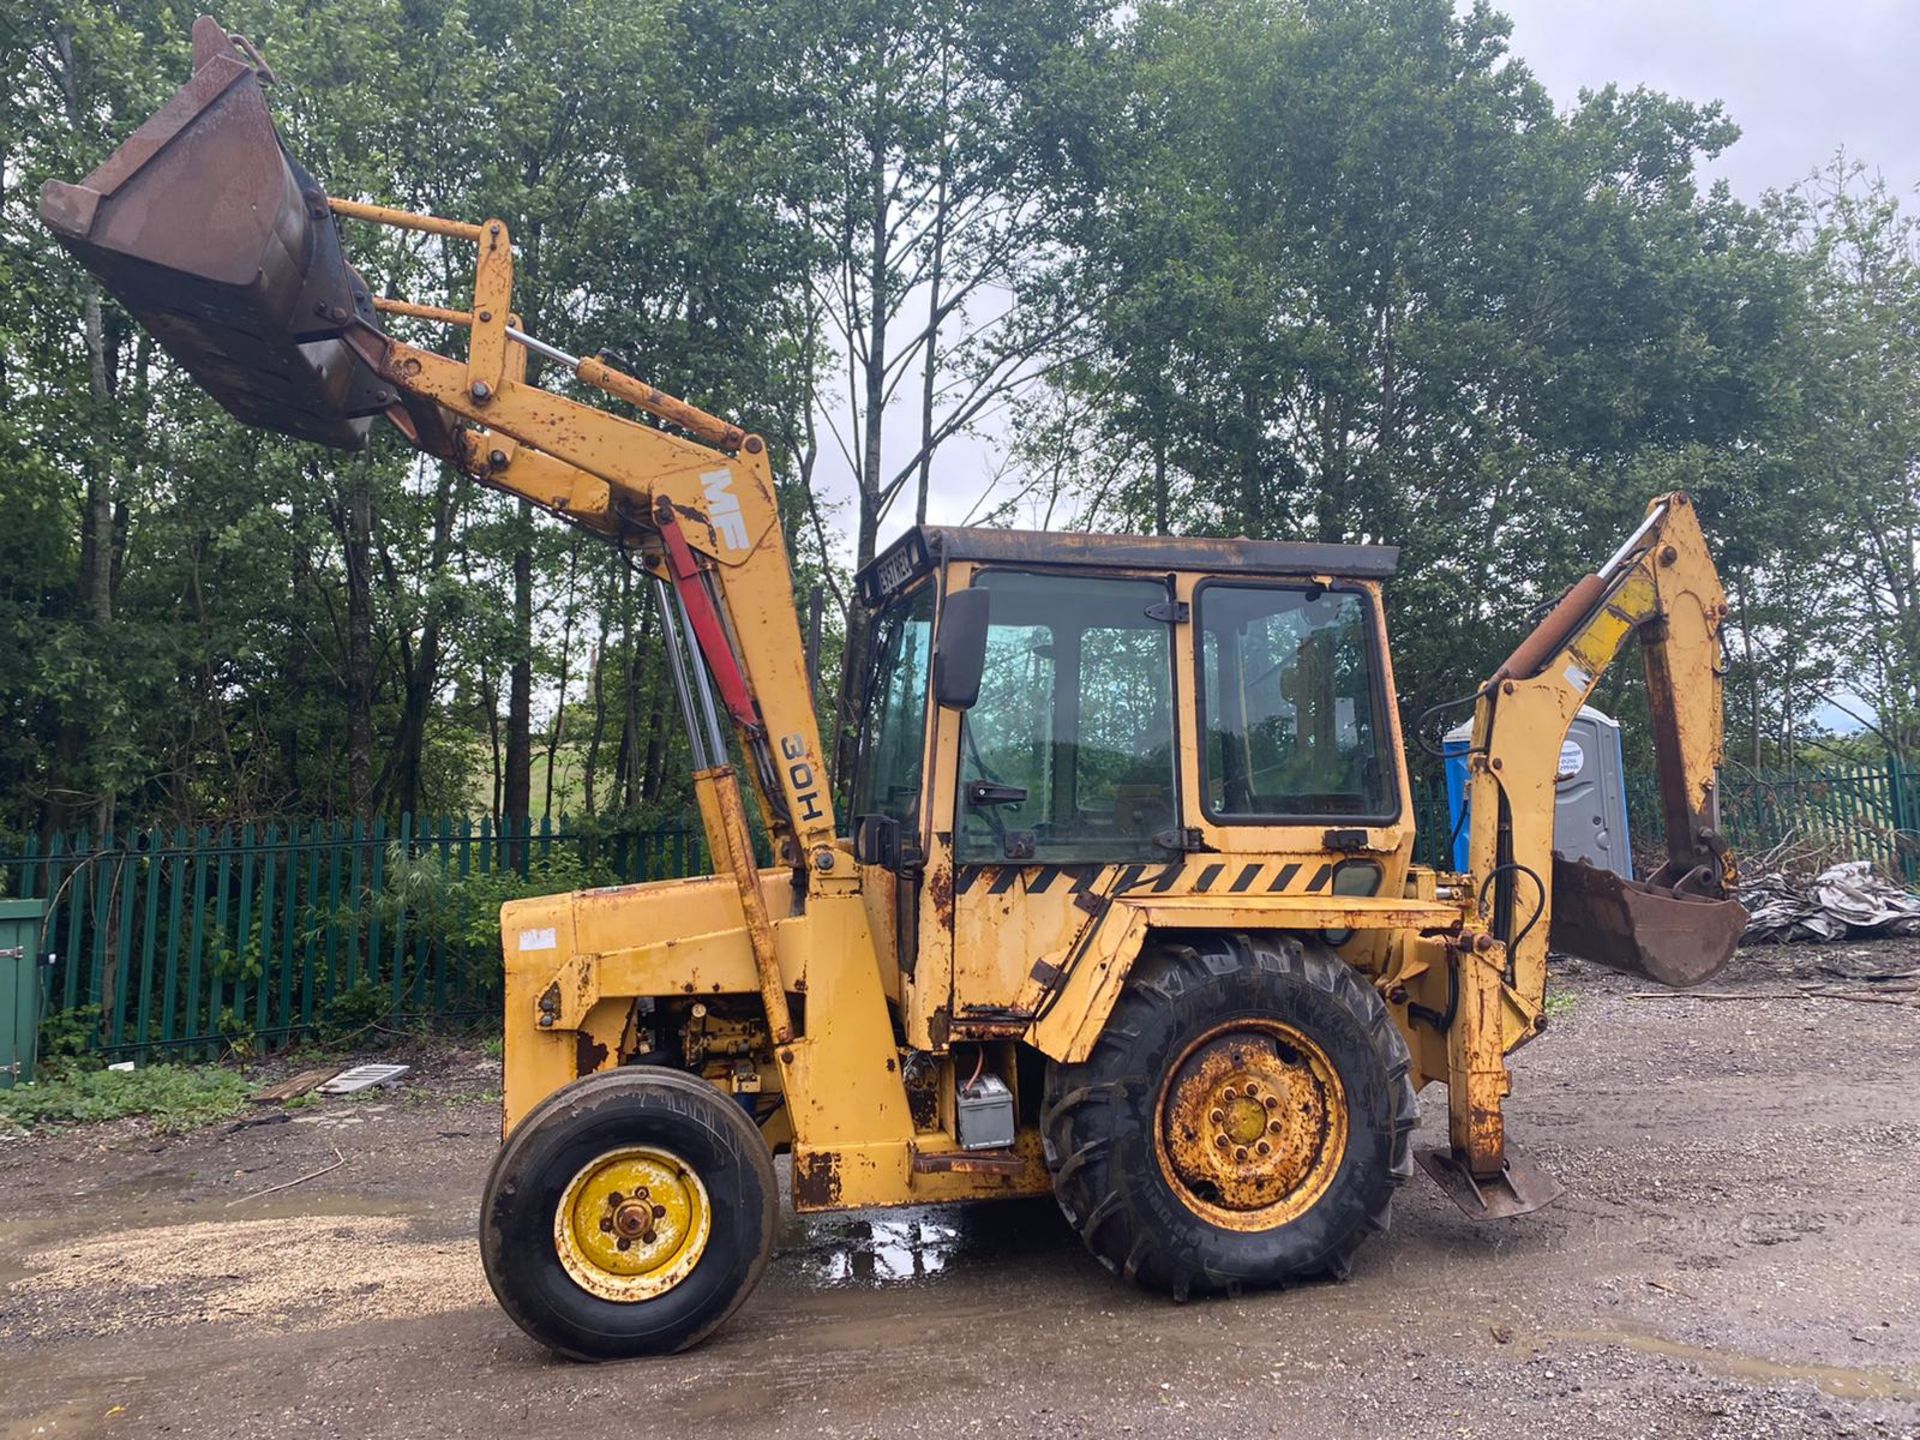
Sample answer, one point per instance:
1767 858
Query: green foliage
172 1097
1288 268
351 1011
66 1041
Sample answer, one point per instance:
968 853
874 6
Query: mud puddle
1843 1382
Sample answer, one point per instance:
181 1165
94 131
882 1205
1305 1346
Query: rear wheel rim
1251 1125
632 1224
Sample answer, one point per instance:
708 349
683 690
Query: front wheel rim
1252 1125
632 1224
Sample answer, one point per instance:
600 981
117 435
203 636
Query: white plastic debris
362 1077
1845 900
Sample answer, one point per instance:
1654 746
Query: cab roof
917 551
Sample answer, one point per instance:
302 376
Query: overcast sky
1801 78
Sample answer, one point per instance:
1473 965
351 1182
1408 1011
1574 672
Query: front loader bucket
1651 930
225 248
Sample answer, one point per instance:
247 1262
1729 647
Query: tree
1353 279
940 197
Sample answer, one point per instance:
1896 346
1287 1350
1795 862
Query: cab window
893 719
1068 756
1290 700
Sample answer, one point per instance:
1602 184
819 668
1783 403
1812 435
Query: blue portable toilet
1590 801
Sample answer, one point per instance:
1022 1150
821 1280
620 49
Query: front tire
629 1214
1244 1118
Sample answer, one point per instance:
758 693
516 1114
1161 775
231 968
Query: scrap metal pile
1842 901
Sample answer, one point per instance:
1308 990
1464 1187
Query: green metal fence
187 942
1857 812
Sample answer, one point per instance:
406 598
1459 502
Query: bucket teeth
224 247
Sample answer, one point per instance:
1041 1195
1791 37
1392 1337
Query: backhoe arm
1681 926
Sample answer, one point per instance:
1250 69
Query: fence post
283 1001
203 843
216 986
83 869
25 888
1906 823
333 907
376 892
395 981
149 928
270 852
309 944
170 980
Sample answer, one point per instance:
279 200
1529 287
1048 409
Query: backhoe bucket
1660 932
225 249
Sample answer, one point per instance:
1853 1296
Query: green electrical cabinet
19 989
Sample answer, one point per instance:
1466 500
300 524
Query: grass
1559 1003
172 1097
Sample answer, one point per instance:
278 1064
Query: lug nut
1264 1148
1273 1127
1219 1117
624 1243
606 1227
1228 1093
1272 1102
1241 1155
659 1212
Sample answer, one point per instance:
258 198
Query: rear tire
565 1188
1214 1049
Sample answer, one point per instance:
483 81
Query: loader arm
229 252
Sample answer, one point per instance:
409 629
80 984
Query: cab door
1064 769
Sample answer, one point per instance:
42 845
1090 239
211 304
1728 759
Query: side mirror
960 651
876 841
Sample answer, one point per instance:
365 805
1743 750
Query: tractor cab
1049 718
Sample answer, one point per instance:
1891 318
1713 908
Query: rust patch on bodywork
816 1180
588 1054
940 893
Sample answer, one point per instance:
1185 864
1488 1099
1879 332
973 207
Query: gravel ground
1737 1255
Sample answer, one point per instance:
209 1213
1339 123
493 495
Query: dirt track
1738 1255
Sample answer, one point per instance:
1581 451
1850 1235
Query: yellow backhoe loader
1126 911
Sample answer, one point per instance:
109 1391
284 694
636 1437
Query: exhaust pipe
225 248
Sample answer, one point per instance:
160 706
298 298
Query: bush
173 1097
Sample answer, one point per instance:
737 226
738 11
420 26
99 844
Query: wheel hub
632 1224
1252 1125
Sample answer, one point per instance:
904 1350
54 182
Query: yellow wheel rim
632 1224
1252 1125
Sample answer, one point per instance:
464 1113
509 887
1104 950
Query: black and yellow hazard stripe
1266 877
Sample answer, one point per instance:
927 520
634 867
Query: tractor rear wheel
629 1214
1243 1119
